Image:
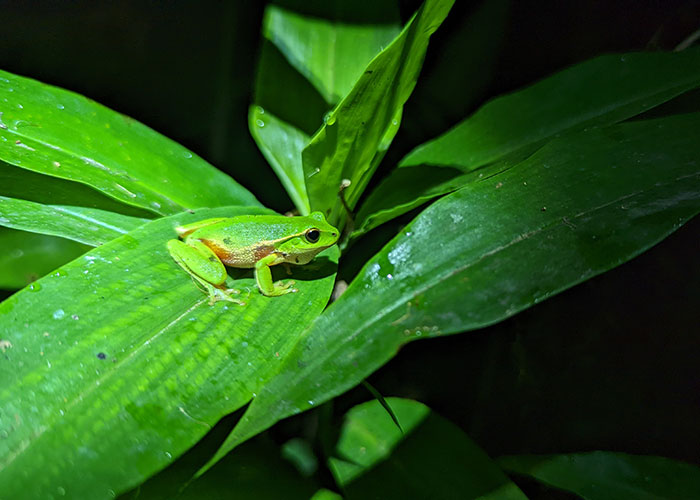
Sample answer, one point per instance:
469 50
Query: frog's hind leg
204 267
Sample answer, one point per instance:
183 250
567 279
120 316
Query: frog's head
316 235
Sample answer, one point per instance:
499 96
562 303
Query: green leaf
596 93
604 475
63 134
26 257
405 189
276 80
601 91
119 358
24 184
366 119
580 206
282 144
420 181
369 435
433 459
84 225
331 54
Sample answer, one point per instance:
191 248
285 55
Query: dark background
610 364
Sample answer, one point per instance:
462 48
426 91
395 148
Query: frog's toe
218 294
282 288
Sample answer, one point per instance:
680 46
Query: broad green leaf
580 206
62 134
601 91
410 187
604 475
118 358
405 189
347 144
433 459
589 99
276 81
26 257
282 144
85 225
330 53
369 435
24 184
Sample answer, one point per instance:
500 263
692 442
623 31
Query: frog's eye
312 235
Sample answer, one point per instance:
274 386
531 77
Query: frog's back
242 241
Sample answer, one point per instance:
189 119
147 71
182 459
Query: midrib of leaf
35 438
92 162
92 220
445 275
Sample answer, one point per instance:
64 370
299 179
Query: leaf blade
129 360
605 475
281 144
365 120
59 133
331 54
600 91
374 459
638 183
90 226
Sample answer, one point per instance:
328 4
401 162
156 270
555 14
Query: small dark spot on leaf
544 209
101 355
227 241
369 71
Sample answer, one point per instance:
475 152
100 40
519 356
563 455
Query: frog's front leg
263 276
204 266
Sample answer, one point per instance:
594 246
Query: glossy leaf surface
433 459
282 144
85 225
604 475
62 134
580 206
624 91
119 358
330 53
24 184
405 189
366 119
604 90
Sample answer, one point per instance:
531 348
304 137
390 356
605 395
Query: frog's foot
282 288
217 294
